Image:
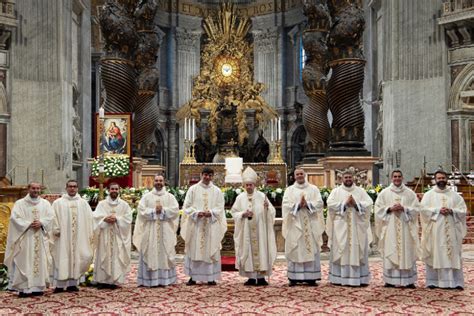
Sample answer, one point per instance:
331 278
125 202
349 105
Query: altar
269 174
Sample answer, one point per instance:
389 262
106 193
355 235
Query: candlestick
185 127
271 130
189 129
279 128
101 112
194 129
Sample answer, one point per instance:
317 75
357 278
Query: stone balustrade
7 8
453 6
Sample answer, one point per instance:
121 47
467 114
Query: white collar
204 185
439 190
30 200
71 198
348 189
112 202
301 186
396 189
159 193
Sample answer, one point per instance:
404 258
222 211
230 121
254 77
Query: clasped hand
110 219
159 209
204 214
247 214
36 224
350 202
303 202
446 211
397 208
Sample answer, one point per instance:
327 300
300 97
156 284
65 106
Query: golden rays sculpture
226 75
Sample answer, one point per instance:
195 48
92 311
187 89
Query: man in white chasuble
349 233
443 222
254 235
303 226
396 219
73 236
155 236
203 228
112 228
27 254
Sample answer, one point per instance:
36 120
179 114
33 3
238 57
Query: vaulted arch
462 90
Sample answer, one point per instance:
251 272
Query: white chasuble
302 228
442 235
348 228
398 234
73 250
254 238
27 255
349 236
155 234
203 235
113 241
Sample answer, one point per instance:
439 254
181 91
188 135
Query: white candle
185 127
194 128
189 129
101 112
279 128
271 130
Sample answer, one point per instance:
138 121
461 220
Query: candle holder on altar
276 156
101 179
189 152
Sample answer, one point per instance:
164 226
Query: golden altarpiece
227 107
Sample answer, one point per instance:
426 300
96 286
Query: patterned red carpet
231 297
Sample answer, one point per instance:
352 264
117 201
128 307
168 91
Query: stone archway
461 116
462 90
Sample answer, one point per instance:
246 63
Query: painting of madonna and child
114 137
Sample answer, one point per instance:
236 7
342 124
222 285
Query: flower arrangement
179 193
373 192
115 166
133 195
88 276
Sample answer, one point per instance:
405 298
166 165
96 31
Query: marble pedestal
328 171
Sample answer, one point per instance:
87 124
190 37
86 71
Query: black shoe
292 282
39 293
72 289
364 285
311 282
112 286
410 286
262 282
388 285
23 294
191 282
251 282
58 290
460 288
211 283
432 287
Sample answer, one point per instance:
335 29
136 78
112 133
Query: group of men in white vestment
56 244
